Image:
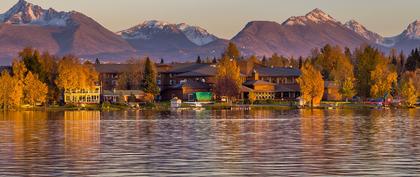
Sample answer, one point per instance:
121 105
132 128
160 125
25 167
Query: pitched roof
185 67
277 71
192 84
287 88
112 68
123 92
258 82
207 70
246 89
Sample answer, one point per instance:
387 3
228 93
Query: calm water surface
211 143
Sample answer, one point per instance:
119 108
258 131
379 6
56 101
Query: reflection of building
83 96
81 133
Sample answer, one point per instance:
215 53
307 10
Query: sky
225 18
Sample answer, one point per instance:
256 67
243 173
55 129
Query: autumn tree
367 60
228 78
10 91
382 78
150 75
131 78
278 61
252 97
311 85
407 89
74 75
232 51
34 91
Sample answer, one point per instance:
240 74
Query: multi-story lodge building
182 80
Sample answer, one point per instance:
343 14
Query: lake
211 143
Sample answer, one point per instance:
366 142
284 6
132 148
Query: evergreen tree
300 62
264 61
198 59
413 61
150 83
97 61
162 61
214 60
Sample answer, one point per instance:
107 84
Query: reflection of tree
312 135
81 133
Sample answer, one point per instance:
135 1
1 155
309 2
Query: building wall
84 96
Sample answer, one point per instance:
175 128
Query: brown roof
277 71
287 88
192 84
112 68
258 82
123 92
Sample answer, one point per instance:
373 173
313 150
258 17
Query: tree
367 60
97 61
198 59
214 61
278 61
150 73
31 58
252 97
10 91
348 88
228 78
132 77
382 79
408 89
413 61
74 75
162 61
34 91
232 51
311 85
300 62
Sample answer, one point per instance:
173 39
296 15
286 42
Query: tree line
41 78
365 72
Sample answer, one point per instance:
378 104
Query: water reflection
205 143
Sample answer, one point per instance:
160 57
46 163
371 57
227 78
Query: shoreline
165 106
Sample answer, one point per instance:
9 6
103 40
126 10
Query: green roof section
203 96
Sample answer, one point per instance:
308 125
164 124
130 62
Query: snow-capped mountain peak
197 35
317 15
413 30
361 30
26 13
147 29
314 16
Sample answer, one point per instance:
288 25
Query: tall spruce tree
150 83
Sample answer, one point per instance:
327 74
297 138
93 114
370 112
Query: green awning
203 96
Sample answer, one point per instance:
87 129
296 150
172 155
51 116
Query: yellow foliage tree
382 79
252 97
311 85
34 90
228 78
10 91
74 75
407 88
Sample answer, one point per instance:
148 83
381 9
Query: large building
182 80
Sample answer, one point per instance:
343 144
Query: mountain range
61 33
